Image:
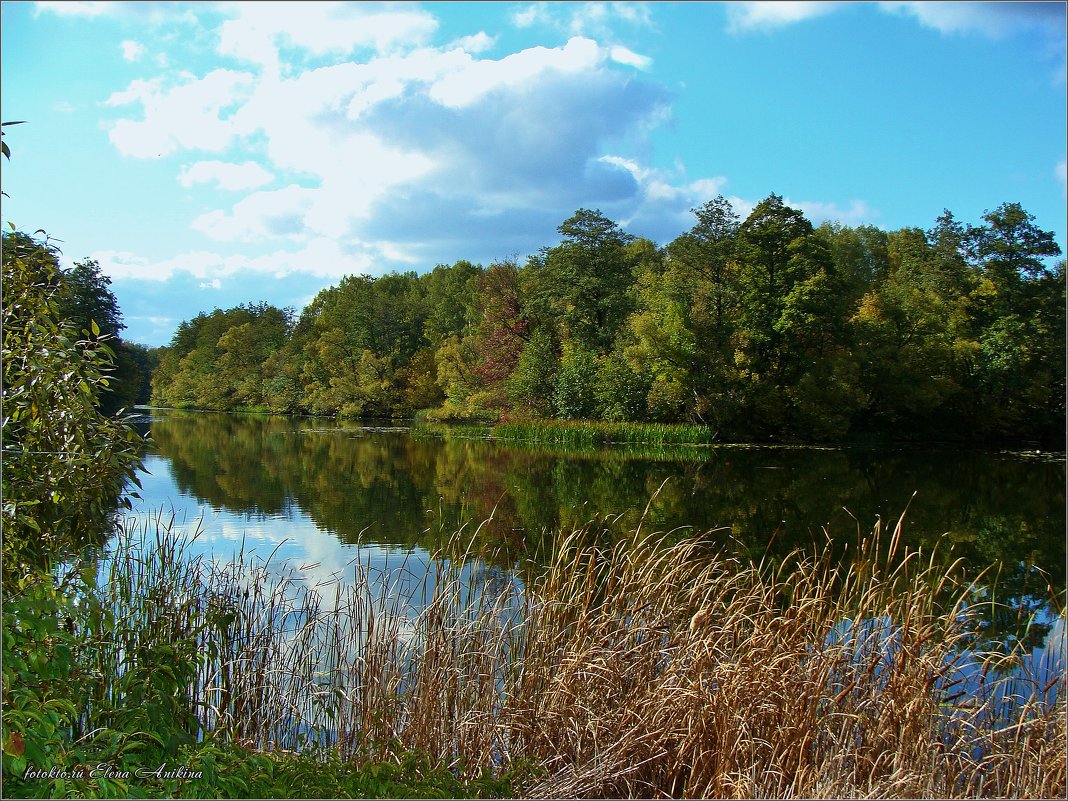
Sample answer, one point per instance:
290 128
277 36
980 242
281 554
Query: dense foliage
762 327
65 461
64 465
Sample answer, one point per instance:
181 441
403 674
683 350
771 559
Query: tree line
760 327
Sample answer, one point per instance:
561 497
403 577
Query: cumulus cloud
623 55
407 150
767 16
478 43
320 257
529 15
131 50
258 30
465 86
590 18
187 116
406 156
991 19
260 216
234 177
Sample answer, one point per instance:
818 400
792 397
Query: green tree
218 360
660 345
708 251
87 298
530 385
451 300
455 362
1011 247
765 277
1013 313
580 286
573 386
702 276
64 462
619 390
906 348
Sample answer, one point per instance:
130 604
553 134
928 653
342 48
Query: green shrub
65 462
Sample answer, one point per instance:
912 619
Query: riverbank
599 433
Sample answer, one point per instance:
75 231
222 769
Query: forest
763 327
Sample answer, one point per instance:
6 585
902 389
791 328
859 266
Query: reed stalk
643 668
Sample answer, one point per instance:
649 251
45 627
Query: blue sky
210 154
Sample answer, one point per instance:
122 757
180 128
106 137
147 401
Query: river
319 495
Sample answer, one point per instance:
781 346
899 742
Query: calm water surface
328 503
270 476
324 495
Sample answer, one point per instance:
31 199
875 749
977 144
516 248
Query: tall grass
586 433
565 438
636 669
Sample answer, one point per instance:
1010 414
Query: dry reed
640 669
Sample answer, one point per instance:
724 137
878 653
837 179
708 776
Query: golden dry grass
646 669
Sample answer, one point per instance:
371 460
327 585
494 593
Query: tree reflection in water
360 484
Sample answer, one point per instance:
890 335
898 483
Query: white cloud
530 15
1061 171
131 50
767 15
622 55
63 107
588 18
408 155
321 28
214 283
629 165
664 198
188 116
119 264
76 8
321 257
234 177
156 320
856 213
157 13
478 43
261 215
465 86
991 19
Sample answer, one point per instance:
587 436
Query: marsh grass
596 448
593 433
639 668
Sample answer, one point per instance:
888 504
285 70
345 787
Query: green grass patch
596 433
